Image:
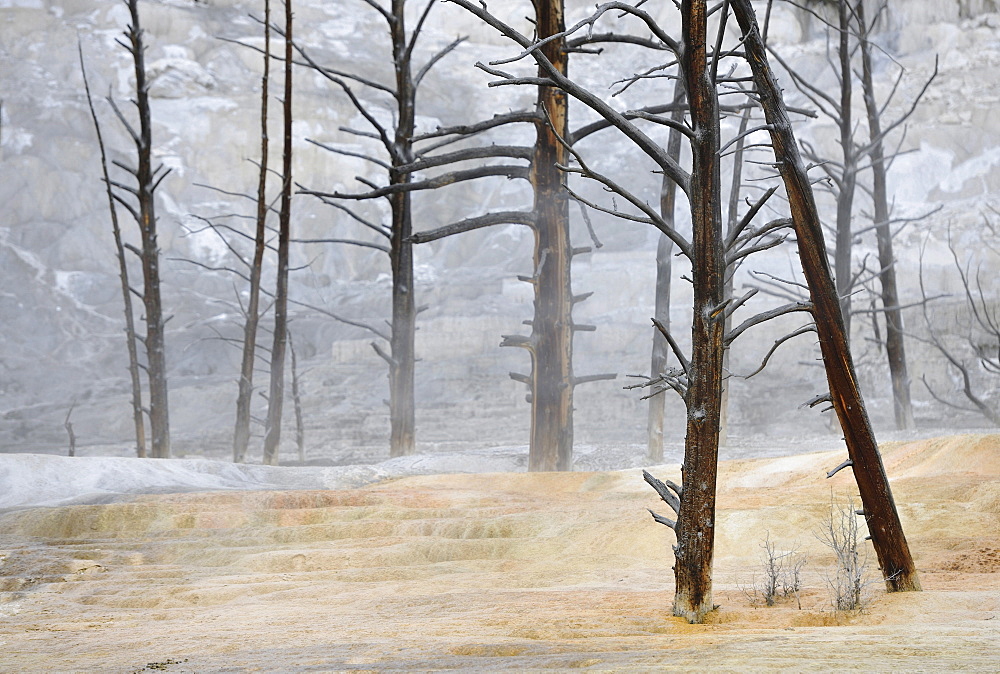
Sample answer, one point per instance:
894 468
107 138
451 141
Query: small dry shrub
782 575
850 580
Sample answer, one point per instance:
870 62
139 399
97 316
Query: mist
61 347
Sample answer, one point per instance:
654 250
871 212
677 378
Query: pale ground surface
495 571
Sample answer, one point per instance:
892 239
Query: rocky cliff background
61 340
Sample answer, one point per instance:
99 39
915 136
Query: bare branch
508 171
485 152
352 242
348 153
674 346
477 222
767 316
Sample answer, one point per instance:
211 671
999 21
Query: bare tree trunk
401 368
664 257
879 507
300 427
138 420
275 400
696 519
156 360
551 444
68 425
398 140
660 350
404 311
895 350
241 434
732 220
845 193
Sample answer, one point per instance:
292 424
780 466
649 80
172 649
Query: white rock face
61 305
179 76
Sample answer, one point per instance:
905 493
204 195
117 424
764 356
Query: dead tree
131 339
68 425
241 432
971 344
841 172
698 378
275 399
853 31
659 355
894 329
403 159
879 507
551 340
690 564
696 517
300 426
552 380
139 201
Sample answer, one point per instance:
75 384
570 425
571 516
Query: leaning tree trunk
879 507
156 359
895 350
275 400
551 346
696 519
664 257
241 433
404 311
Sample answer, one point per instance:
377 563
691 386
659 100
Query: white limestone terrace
41 480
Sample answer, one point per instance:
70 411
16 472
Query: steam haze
62 344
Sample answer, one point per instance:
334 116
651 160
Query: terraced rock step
493 571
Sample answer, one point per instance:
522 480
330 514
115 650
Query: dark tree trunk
241 434
895 349
664 257
156 359
696 519
880 509
138 420
275 400
404 311
551 443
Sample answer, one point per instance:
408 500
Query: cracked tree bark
696 519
